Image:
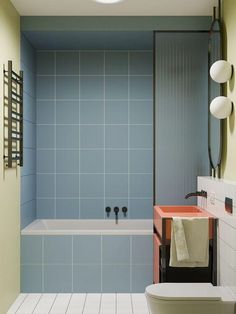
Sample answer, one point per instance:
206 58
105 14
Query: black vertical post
9 114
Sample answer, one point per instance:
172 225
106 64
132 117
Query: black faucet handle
108 210
116 210
124 210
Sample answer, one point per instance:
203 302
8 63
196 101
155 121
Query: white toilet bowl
189 298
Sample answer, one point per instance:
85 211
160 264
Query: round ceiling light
108 1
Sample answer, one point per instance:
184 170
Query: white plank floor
81 303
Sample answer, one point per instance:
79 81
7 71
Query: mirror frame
213 166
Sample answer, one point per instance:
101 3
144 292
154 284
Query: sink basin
180 209
163 217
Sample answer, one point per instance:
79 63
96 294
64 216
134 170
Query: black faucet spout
116 210
201 193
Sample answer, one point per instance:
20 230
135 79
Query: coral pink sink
163 214
180 209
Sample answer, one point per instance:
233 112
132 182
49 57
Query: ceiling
125 8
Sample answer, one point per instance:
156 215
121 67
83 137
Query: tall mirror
215 89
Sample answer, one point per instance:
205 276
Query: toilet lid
184 291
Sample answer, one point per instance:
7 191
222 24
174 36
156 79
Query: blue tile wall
28 172
94 133
91 263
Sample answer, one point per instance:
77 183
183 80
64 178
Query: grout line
43 264
128 172
116 303
132 305
72 263
104 134
55 137
79 144
37 303
95 173
53 303
22 302
93 99
68 303
85 300
101 264
100 304
131 260
94 149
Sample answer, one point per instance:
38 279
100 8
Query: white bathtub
88 227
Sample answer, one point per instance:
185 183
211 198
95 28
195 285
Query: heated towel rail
13 117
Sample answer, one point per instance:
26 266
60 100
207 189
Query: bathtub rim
29 229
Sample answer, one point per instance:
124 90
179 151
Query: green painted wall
229 141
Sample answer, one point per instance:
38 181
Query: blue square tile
45 136
141 87
67 87
142 249
29 108
67 136
91 87
31 278
45 87
141 136
46 208
67 161
141 63
116 87
28 188
57 278
115 279
91 63
45 185
116 250
45 62
142 276
91 185
141 208
116 185
91 161
116 112
87 249
29 134
114 202
27 213
87 278
57 249
91 136
116 63
29 166
116 161
91 112
141 112
67 112
31 249
67 63
67 185
92 208
141 161
45 112
117 136
67 208
141 185
45 161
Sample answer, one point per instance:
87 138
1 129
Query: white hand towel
180 241
196 232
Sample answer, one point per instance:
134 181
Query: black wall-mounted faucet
108 211
201 193
124 210
116 210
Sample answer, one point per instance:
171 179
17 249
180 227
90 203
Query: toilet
189 298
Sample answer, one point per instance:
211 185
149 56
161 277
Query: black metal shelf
14 117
